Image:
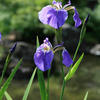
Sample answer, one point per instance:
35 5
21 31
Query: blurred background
19 23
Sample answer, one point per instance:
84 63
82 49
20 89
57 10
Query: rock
95 50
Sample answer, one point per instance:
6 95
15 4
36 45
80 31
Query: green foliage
22 16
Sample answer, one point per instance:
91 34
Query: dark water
86 78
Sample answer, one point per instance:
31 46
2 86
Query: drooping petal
43 60
0 36
76 18
56 18
43 14
66 58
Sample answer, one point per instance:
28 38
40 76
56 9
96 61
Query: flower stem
63 87
76 50
56 34
48 84
82 34
60 54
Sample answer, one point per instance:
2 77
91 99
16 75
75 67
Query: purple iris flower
55 15
0 36
45 54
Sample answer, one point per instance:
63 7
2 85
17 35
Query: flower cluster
55 15
45 54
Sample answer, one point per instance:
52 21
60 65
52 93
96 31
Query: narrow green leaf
74 68
5 86
43 91
85 98
37 45
5 67
8 96
29 85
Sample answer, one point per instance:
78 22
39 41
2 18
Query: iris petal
76 18
43 14
56 18
38 59
47 60
66 58
43 60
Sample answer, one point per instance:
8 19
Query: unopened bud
87 18
13 48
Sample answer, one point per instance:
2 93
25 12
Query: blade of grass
5 86
8 96
85 98
43 91
29 85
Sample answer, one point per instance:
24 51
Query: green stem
76 50
63 87
60 54
56 34
59 34
58 37
75 54
82 34
48 83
